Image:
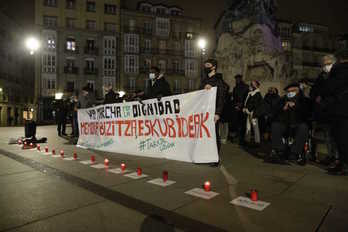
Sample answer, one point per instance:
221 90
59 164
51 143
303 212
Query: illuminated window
70 44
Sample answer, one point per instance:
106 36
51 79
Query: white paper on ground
87 162
98 166
119 171
160 182
69 158
247 202
56 156
199 192
135 176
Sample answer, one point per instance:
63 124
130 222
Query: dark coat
110 97
336 89
253 103
160 88
216 81
239 94
61 110
293 116
271 101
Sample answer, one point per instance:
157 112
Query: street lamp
202 44
32 45
122 93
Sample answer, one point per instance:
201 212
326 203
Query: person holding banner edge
214 79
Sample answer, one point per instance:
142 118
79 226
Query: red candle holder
123 167
31 144
75 156
254 195
19 142
165 176
62 153
46 149
38 147
139 171
53 151
92 158
25 143
106 162
207 186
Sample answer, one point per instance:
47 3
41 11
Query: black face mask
208 70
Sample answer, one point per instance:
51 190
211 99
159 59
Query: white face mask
291 94
152 76
327 68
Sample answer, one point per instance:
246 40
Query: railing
88 71
71 70
91 51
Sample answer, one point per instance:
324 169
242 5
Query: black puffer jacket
110 97
160 88
336 87
216 81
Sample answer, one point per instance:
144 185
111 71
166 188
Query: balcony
89 71
71 70
91 51
134 30
75 51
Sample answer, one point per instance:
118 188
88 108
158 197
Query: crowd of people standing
243 114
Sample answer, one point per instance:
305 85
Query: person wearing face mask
214 79
290 118
252 102
158 86
336 95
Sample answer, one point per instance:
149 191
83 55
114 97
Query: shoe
301 160
275 158
336 168
65 134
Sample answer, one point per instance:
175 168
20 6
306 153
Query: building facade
79 47
304 45
16 75
159 35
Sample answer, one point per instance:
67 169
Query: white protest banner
179 127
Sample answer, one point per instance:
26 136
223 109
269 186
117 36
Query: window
91 6
189 35
71 44
131 24
70 63
190 48
110 27
110 9
148 45
70 86
109 66
132 85
51 43
110 45
70 22
148 27
162 26
147 65
161 10
70 4
162 65
303 27
51 84
131 64
286 45
91 84
191 67
91 25
162 45
90 44
176 66
90 64
131 43
176 86
109 81
49 63
50 21
50 3
191 85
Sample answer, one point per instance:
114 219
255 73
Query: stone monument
248 43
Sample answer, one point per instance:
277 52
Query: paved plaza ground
41 193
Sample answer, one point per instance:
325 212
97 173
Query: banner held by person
179 127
